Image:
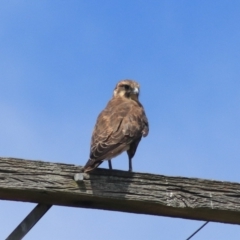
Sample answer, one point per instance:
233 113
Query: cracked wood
52 183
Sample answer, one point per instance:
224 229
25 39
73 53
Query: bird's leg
110 164
130 164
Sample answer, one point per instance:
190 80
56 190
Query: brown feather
119 127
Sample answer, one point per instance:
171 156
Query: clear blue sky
59 63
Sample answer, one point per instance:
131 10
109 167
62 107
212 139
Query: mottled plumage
120 126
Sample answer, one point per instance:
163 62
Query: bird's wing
120 123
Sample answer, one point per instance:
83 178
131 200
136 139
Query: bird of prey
119 127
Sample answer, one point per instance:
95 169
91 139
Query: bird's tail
91 164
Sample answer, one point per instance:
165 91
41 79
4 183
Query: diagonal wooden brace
32 218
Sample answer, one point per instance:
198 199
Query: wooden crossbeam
53 184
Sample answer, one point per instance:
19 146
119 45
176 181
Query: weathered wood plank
52 183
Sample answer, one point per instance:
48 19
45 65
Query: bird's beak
135 90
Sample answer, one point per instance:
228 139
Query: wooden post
53 184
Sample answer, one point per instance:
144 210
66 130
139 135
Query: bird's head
127 88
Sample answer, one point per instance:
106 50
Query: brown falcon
120 126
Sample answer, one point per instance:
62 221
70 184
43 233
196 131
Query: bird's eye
126 87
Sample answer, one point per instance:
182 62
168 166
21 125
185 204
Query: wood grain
53 183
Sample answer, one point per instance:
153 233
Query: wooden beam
26 225
53 184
